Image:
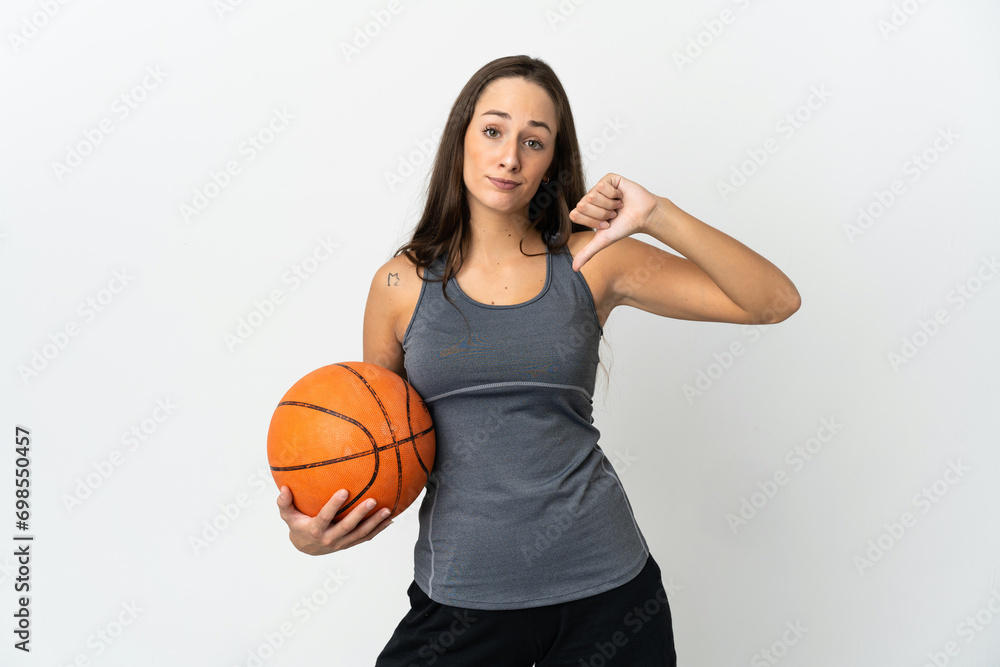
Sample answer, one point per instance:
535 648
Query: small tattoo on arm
393 277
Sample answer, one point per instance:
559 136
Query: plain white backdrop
809 480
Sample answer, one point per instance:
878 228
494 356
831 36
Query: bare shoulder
398 272
598 274
392 298
616 257
596 269
617 273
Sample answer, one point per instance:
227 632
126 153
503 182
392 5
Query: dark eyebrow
506 116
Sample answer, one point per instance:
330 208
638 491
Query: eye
490 128
538 145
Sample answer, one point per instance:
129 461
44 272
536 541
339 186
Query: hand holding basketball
359 432
320 535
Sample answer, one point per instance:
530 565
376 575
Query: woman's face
509 145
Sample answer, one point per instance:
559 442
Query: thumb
599 242
286 507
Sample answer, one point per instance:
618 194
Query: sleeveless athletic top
522 507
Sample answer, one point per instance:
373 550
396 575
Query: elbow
788 313
784 305
794 303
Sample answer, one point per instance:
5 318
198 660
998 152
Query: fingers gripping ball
353 426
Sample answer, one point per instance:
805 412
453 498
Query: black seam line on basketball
416 452
399 480
352 456
385 414
399 459
388 422
328 411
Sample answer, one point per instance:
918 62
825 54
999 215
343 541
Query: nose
508 156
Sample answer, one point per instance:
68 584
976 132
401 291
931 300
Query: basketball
353 426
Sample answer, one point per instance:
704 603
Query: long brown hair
444 225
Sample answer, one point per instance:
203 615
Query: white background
687 460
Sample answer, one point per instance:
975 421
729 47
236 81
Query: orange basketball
353 426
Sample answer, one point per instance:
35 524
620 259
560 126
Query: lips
503 184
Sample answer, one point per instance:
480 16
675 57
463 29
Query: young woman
528 551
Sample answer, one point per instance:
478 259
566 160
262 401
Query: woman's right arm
388 296
392 298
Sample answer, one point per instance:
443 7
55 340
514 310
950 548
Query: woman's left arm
718 278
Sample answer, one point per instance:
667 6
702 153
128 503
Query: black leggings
629 625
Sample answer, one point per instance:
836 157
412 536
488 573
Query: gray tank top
522 509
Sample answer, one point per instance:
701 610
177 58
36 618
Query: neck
496 237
